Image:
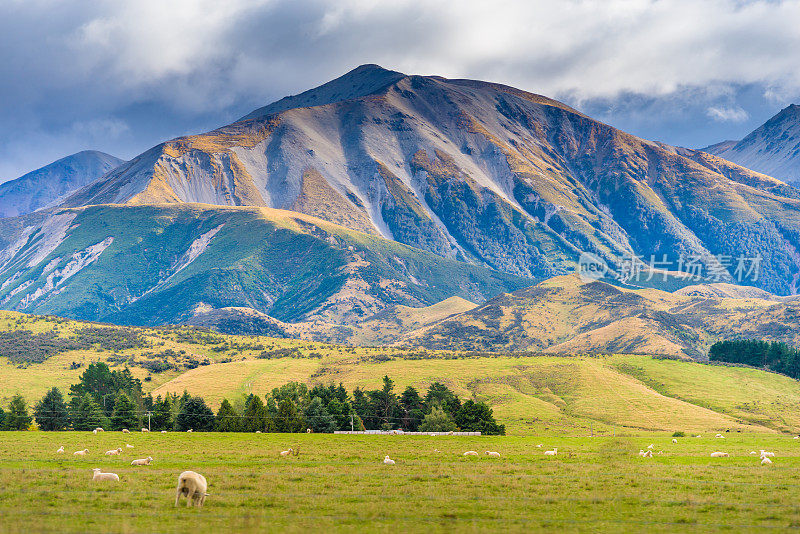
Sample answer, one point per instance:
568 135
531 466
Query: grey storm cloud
123 76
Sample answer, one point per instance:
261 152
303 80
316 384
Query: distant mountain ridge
773 148
47 185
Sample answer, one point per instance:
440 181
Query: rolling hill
49 185
528 392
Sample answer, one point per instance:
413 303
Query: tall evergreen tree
288 419
124 415
227 420
255 417
17 417
317 417
161 418
195 415
86 414
51 411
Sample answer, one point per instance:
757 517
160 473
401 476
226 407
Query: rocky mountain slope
50 184
773 148
151 265
477 172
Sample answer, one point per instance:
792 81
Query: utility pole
148 420
352 429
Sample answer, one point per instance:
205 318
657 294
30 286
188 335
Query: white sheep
142 461
190 430
194 486
650 446
764 453
60 450
648 454
470 453
287 452
128 446
104 476
753 452
84 452
126 431
492 454
113 452
796 437
163 431
145 430
641 452
94 431
551 453
539 446
98 429
387 460
765 461
718 454
674 440
308 431
719 436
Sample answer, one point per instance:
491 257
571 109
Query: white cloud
727 114
78 62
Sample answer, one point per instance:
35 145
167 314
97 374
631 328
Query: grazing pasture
340 483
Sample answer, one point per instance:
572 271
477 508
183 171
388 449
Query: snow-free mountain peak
773 148
47 185
359 82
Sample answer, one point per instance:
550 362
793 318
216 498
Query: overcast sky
123 76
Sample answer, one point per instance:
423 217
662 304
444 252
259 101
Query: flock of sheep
764 455
194 486
190 484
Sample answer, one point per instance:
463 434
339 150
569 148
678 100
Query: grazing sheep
98 429
765 461
539 446
113 452
145 430
764 454
258 432
163 431
753 452
551 453
94 431
128 446
674 440
194 486
84 452
650 446
308 431
387 460
104 476
796 437
60 450
492 454
287 452
648 454
719 436
641 452
142 461
718 454
470 453
190 430
126 431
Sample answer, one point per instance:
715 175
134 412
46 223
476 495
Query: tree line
114 400
772 355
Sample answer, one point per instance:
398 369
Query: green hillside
150 265
528 392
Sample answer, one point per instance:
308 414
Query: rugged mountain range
477 172
773 148
381 189
50 184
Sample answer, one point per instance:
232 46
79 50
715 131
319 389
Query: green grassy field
338 483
